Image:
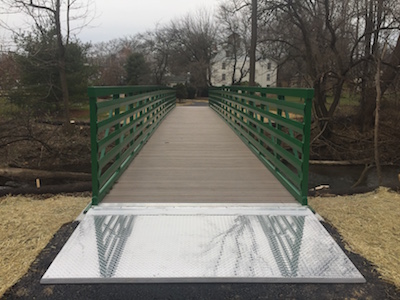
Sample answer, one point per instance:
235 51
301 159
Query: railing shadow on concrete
122 119
275 124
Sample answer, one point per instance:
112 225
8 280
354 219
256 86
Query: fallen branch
50 189
338 162
24 138
59 123
319 134
363 175
31 174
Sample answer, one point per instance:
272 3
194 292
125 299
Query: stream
341 178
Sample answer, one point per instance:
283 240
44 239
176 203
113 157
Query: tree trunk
378 102
61 66
336 96
320 110
365 83
252 79
65 92
376 129
367 109
388 76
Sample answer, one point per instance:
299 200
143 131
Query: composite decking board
167 184
205 192
195 157
199 199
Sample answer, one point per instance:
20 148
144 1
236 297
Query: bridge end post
306 145
94 146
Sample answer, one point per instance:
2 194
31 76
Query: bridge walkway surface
195 157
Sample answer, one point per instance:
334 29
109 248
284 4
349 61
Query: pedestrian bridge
200 194
194 156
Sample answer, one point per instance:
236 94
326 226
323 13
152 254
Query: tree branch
31 4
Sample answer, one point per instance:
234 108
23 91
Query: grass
347 99
26 227
370 226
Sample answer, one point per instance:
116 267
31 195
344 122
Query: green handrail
275 124
122 119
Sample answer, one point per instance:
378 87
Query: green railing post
117 126
306 146
131 118
94 146
279 125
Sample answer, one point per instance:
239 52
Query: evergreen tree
40 87
137 69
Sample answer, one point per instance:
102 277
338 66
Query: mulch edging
29 287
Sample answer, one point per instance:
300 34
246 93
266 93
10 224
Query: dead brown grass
26 226
370 226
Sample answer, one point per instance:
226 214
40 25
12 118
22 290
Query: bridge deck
194 157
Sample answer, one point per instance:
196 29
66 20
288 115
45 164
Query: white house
223 69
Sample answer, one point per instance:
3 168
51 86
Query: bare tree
326 38
157 45
194 45
316 34
380 19
110 57
234 39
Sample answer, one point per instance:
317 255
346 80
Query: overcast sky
119 18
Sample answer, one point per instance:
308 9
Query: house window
223 66
269 66
223 77
268 77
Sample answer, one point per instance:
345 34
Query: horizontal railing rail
121 121
275 124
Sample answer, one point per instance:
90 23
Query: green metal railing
121 121
275 124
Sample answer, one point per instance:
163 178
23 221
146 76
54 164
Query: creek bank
339 180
